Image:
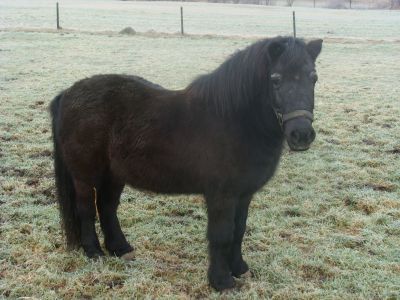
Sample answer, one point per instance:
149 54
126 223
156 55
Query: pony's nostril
302 136
295 136
311 135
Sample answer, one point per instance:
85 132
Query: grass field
201 18
327 226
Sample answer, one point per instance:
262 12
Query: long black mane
232 84
243 77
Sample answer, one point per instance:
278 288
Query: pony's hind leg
108 195
86 211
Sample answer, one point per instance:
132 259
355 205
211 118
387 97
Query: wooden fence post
294 24
58 17
182 32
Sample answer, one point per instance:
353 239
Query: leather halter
282 118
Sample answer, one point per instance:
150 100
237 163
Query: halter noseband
282 118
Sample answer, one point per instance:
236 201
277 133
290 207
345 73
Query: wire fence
335 4
201 18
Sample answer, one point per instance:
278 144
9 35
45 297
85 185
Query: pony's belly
160 179
164 185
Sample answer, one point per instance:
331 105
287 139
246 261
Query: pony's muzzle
299 134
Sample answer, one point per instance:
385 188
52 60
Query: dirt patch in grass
382 186
41 154
316 272
394 150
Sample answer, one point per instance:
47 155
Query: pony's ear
314 48
275 49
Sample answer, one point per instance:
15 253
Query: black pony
220 137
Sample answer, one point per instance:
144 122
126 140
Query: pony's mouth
294 147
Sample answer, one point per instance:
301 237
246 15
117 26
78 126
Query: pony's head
291 79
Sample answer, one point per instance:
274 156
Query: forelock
295 54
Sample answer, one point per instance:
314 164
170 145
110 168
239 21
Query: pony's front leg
238 265
220 231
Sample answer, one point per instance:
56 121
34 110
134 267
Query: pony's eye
276 78
314 76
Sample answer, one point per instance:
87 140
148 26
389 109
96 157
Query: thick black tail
64 184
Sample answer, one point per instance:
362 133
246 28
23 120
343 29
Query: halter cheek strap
282 118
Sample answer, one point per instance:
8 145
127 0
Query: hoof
223 284
246 275
119 250
240 269
228 290
129 256
94 254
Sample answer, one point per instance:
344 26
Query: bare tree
289 2
395 4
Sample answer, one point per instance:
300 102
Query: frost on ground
201 18
326 225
